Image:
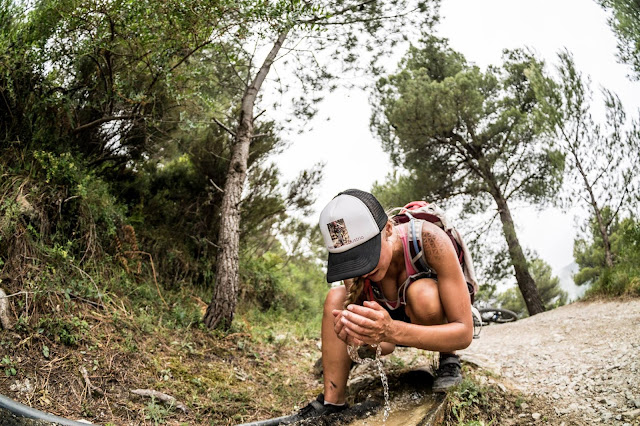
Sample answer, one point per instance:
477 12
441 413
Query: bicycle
486 316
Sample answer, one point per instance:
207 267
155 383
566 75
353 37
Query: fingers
373 305
372 312
353 326
355 341
339 328
362 329
358 339
341 325
360 320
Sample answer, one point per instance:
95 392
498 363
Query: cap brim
355 262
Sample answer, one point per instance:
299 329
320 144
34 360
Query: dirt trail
584 358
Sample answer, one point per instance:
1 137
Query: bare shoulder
436 243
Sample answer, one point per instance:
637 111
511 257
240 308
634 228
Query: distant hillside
567 283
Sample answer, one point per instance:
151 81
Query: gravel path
584 358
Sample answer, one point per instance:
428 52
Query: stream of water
353 354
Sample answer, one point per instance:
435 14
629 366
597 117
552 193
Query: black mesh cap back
372 203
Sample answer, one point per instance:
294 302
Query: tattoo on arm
434 246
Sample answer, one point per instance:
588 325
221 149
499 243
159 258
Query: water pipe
268 422
22 410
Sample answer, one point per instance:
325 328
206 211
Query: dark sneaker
448 373
315 408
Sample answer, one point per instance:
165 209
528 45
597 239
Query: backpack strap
416 250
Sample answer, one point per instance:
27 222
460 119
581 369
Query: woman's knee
335 299
423 303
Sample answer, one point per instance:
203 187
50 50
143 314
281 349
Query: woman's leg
423 303
424 307
335 359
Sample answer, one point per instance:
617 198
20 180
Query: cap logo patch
339 234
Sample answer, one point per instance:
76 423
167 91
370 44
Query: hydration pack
416 211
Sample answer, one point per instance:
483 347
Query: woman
387 302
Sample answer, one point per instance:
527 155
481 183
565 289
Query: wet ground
412 402
407 410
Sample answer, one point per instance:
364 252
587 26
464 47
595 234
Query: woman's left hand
369 324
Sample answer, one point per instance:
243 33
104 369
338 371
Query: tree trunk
526 283
608 258
222 307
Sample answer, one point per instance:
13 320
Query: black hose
268 422
31 413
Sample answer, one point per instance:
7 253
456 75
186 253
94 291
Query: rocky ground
583 358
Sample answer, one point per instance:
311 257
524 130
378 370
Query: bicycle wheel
497 315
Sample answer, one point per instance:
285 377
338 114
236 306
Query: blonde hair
354 291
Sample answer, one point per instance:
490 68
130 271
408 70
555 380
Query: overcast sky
479 29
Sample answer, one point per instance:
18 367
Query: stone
555 396
22 386
630 415
536 416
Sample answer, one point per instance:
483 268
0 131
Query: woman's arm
441 255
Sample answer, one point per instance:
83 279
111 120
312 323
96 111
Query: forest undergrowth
80 358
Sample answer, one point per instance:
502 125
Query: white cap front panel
346 222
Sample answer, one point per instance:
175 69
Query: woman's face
386 252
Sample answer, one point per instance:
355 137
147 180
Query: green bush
624 277
67 330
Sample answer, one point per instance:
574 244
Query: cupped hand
339 328
369 324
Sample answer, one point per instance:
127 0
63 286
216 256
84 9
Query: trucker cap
351 225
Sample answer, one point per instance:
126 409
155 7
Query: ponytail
354 292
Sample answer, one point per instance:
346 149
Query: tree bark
608 257
222 307
525 281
